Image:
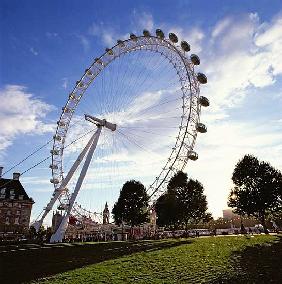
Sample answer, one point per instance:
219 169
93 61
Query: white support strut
59 234
65 182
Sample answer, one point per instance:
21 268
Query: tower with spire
106 214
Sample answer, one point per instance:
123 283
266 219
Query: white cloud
144 21
65 82
51 34
270 39
39 182
220 27
240 58
109 35
21 113
33 51
84 42
105 33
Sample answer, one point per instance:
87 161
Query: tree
192 203
177 181
257 189
32 233
208 218
132 204
167 204
166 208
184 202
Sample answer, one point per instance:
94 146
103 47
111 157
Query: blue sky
46 46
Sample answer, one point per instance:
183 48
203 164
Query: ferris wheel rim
99 65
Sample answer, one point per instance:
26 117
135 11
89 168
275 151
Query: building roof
13 188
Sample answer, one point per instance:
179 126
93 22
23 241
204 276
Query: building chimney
1 171
16 176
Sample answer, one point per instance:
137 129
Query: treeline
182 204
257 192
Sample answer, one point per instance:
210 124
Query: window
2 196
7 221
18 212
20 197
3 190
12 194
17 220
10 204
8 212
25 212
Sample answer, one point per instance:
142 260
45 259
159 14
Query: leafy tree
167 209
184 202
132 204
178 180
48 234
167 204
257 190
208 218
32 233
192 203
41 234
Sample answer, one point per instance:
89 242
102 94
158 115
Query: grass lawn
227 259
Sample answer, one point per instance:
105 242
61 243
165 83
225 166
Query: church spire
106 214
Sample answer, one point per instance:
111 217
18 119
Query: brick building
15 207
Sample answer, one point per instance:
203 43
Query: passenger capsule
201 128
53 167
57 137
204 101
54 152
173 37
66 109
98 61
61 123
133 37
146 33
72 96
202 78
120 43
160 33
88 72
54 180
109 51
185 46
79 84
195 59
193 156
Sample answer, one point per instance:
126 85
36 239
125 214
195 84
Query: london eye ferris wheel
134 114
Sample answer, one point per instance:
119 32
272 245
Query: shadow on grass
257 264
20 266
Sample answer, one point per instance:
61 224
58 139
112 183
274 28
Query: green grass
204 260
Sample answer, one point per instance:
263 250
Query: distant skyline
45 47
